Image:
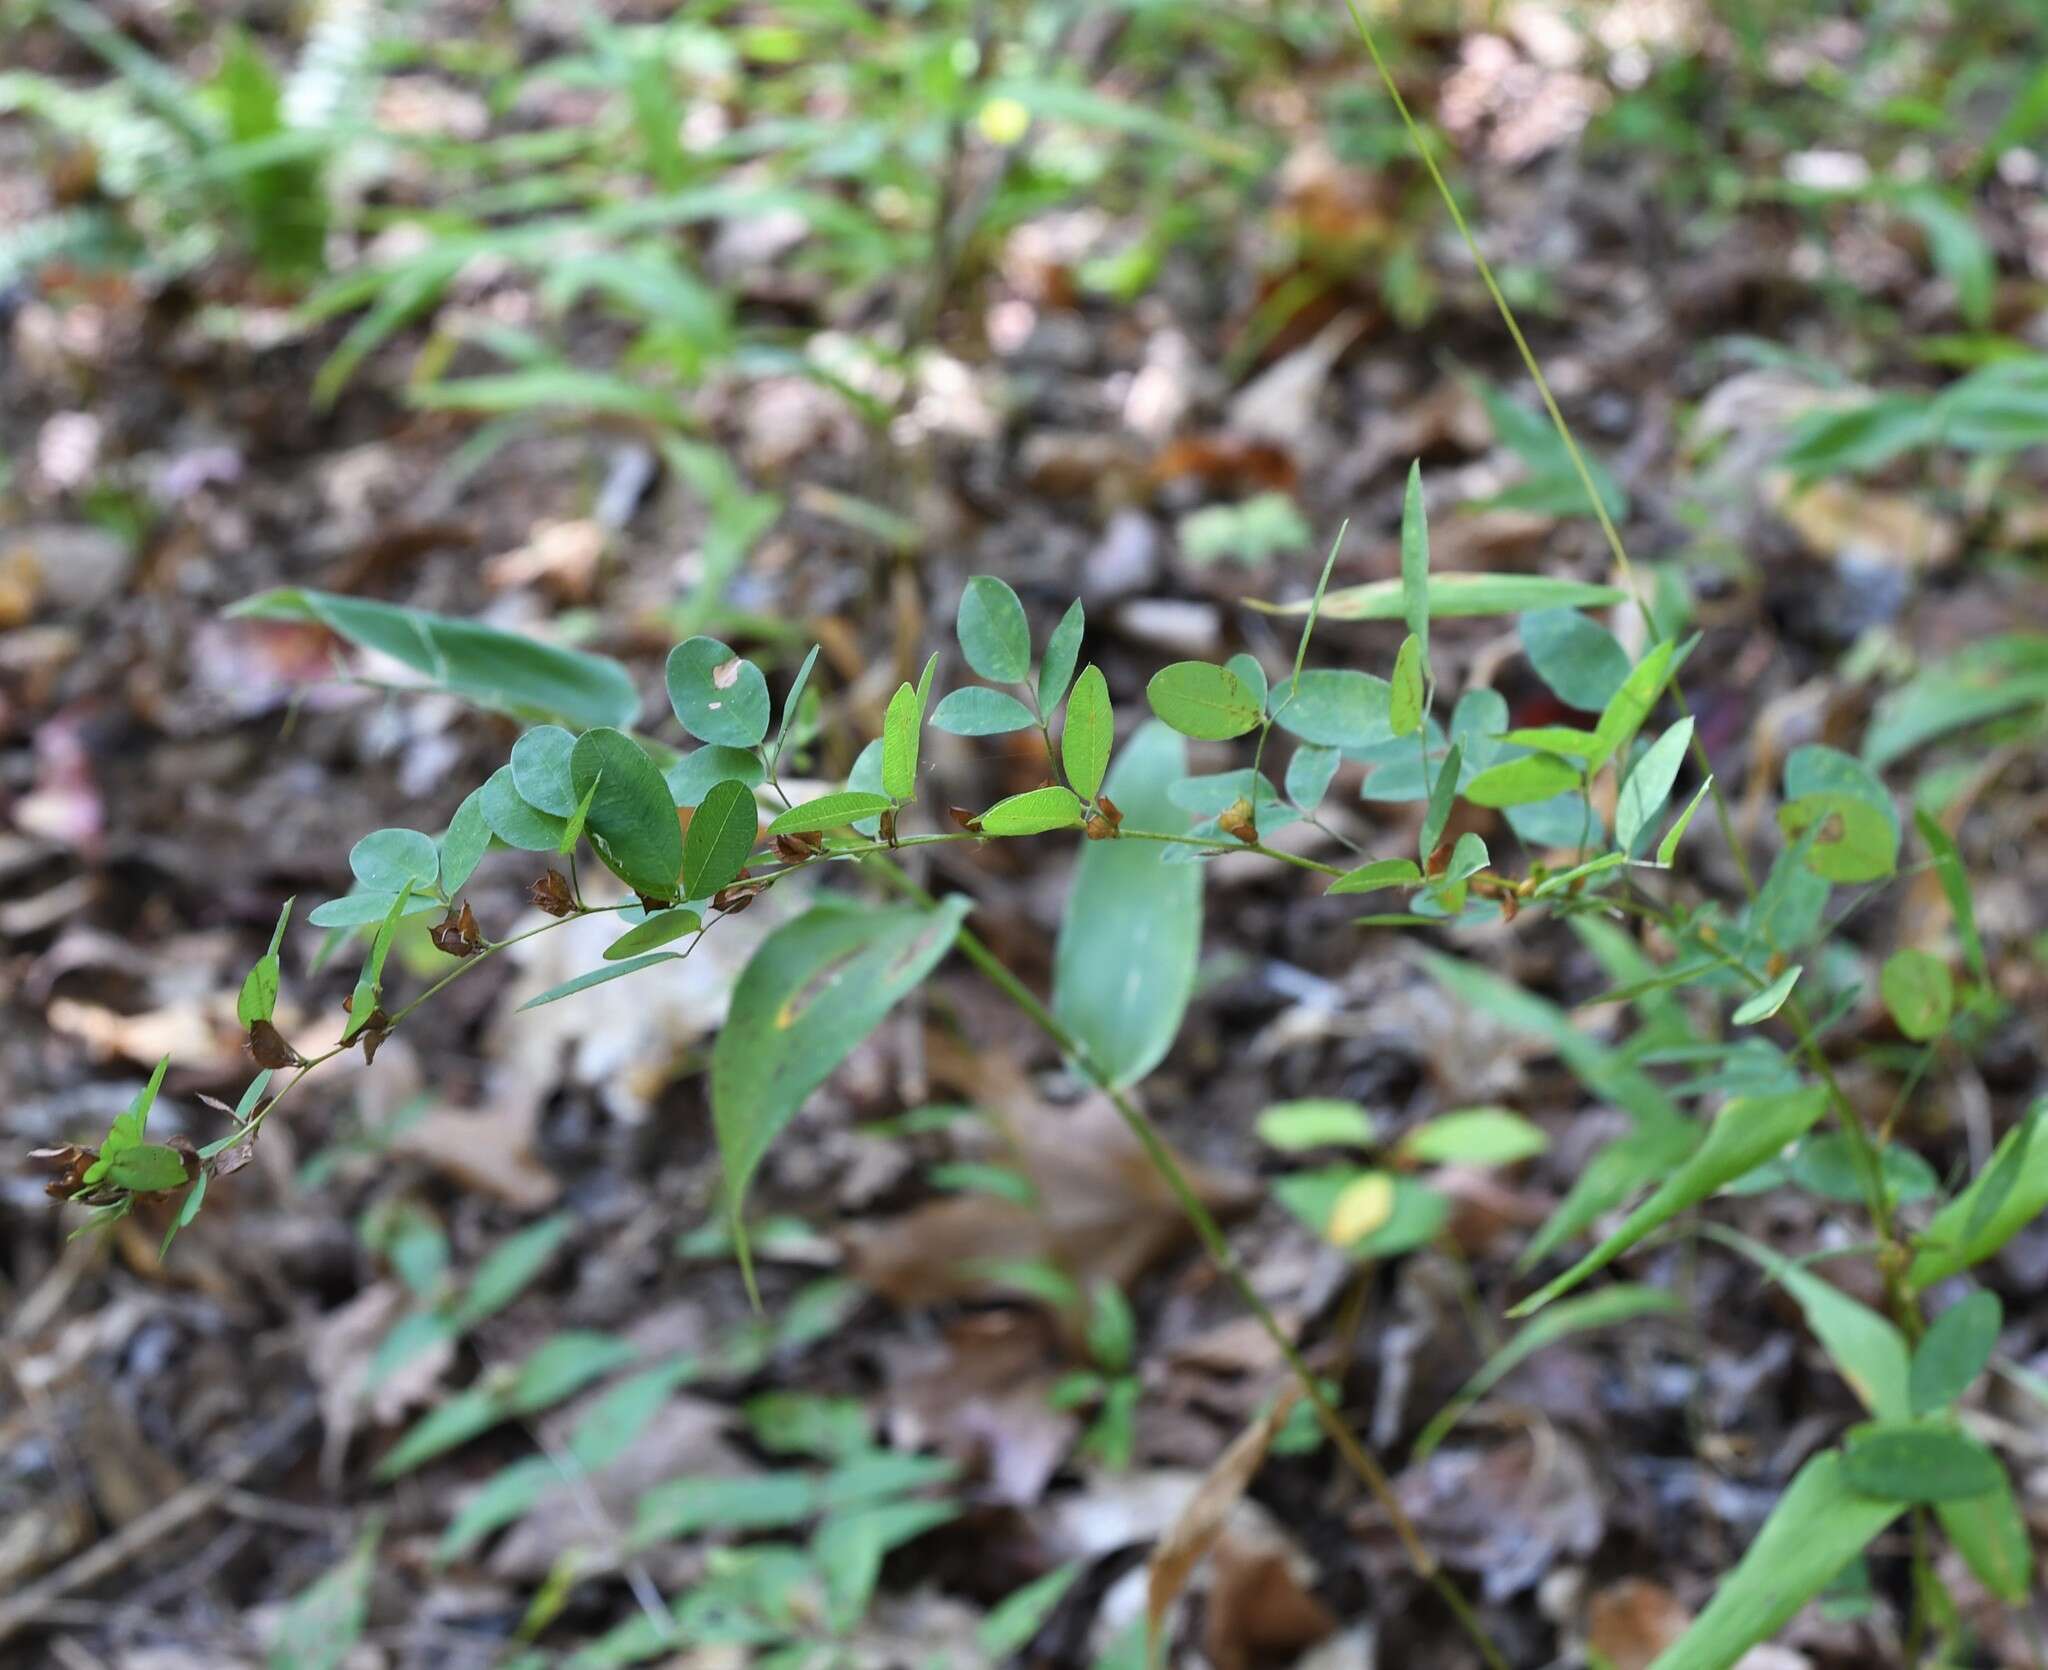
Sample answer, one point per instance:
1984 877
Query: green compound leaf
632 819
813 990
1204 701
722 833
719 697
994 635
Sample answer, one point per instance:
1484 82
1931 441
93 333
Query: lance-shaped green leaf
1454 595
1381 872
719 697
1033 813
362 1003
1202 700
813 990
258 1000
1404 702
1608 1308
1062 651
1631 704
1667 849
1748 1131
601 976
1866 1349
1993 1539
632 818
662 928
792 704
1090 727
2006 1196
128 1128
722 832
901 726
1648 786
467 839
829 811
573 825
1124 965
1955 885
1819 1525
1443 794
1415 567
495 669
1770 1000
994 635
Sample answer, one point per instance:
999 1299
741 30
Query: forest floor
186 1444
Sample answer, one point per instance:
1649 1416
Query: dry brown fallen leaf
1197 1526
1629 1623
1838 518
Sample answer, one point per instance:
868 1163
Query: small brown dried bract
551 894
1111 810
1239 820
734 898
1439 860
1510 903
797 849
67 1164
889 826
965 819
269 1047
456 935
375 1030
1098 828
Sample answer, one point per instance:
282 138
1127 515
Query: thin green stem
1221 1254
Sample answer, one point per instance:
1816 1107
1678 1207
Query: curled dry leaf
456 934
1629 1623
550 893
1195 1529
268 1047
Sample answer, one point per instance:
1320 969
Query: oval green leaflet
719 697
1033 812
722 833
631 820
1085 742
994 635
1202 700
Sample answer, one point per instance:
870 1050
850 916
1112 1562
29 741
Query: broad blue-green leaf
1919 993
600 976
1309 772
721 835
1747 1132
1062 651
495 669
516 822
1202 700
1907 1461
1124 966
1648 785
1454 595
1819 1525
386 859
1582 662
1090 727
697 773
359 910
829 811
1335 706
1954 1350
976 710
720 697
1033 812
464 845
813 990
1517 782
994 635
662 928
540 770
2007 1195
632 819
1608 1308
